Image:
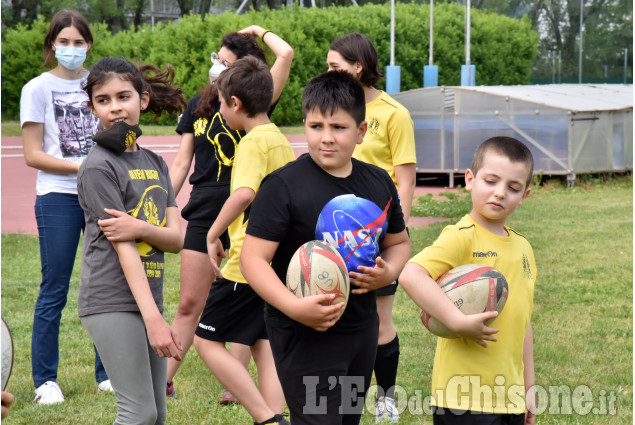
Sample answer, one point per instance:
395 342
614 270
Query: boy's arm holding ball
255 265
395 251
427 294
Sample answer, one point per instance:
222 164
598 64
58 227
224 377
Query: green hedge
502 49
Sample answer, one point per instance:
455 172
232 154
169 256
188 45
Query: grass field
583 316
12 128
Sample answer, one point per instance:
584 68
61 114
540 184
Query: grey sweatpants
136 372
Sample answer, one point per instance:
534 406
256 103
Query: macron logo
484 254
207 328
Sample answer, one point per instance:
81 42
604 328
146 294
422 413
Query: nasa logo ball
7 353
473 288
317 268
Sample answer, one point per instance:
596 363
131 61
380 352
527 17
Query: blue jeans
60 221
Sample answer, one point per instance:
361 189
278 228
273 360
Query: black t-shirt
214 145
301 202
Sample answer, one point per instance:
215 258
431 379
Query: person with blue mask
57 134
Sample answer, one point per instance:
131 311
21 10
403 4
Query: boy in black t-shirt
325 361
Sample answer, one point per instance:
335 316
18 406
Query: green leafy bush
502 49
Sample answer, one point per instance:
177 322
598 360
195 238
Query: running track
18 182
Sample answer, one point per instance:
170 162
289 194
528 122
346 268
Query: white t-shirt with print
69 125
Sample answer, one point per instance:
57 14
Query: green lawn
583 317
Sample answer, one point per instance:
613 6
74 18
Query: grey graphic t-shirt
139 184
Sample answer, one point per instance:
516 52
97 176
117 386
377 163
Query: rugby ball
473 288
7 353
317 268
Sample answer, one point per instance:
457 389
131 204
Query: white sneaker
386 410
105 386
48 393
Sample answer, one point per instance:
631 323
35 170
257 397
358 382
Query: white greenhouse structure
570 129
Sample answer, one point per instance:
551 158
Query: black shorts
233 313
388 290
196 236
323 372
201 210
442 416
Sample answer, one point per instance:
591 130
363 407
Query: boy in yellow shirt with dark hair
233 311
486 375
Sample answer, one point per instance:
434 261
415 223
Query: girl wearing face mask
57 133
131 220
206 138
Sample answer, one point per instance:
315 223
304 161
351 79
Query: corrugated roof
571 97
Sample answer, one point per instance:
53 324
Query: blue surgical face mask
216 69
70 57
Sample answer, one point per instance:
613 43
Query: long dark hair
241 45
164 96
356 47
63 19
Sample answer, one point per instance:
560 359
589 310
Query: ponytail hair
164 96
241 45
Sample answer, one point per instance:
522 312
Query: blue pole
393 79
468 71
430 76
468 75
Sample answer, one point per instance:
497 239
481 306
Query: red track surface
18 182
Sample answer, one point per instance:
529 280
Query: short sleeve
270 213
446 253
402 138
396 222
32 103
166 172
186 122
99 189
249 166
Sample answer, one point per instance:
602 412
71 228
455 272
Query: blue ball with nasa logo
355 227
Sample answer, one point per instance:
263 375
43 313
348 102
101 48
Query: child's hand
370 278
163 339
216 254
472 327
315 312
122 227
7 401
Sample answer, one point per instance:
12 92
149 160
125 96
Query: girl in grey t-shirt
131 219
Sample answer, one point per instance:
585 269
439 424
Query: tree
138 13
185 6
607 30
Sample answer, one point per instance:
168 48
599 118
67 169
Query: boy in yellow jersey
485 376
233 311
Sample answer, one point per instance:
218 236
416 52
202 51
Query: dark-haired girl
57 133
131 219
206 138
